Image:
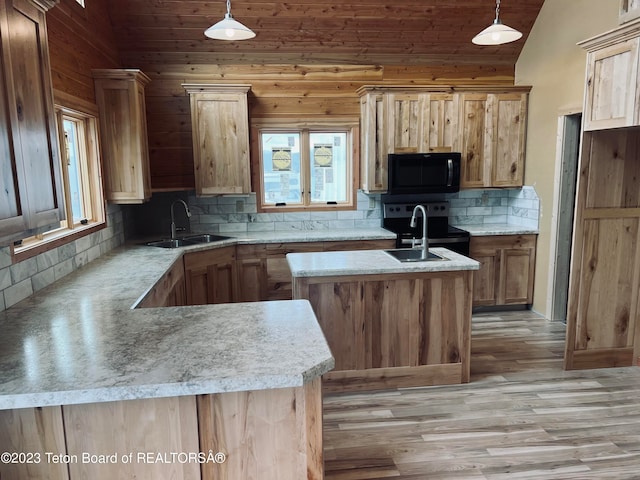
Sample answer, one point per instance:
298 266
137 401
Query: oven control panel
404 210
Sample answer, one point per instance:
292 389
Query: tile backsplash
20 280
230 215
238 214
517 206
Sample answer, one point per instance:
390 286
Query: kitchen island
389 323
92 388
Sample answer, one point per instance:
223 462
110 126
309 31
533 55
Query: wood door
29 128
374 176
278 273
251 264
33 431
220 128
119 428
211 276
486 279
516 276
612 76
13 216
169 291
120 97
476 140
509 111
604 287
404 121
440 117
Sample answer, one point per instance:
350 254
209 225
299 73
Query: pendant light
497 33
229 29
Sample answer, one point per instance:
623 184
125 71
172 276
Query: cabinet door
440 116
507 264
476 127
404 121
31 182
509 112
611 86
278 274
516 272
252 273
485 280
220 128
13 219
211 276
374 175
123 128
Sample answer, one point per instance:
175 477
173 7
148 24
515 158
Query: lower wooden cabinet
251 264
158 438
253 273
169 291
211 276
507 264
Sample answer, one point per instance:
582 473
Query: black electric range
440 234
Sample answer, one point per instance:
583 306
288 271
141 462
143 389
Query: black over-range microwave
424 172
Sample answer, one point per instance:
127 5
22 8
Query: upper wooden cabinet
31 198
493 136
123 128
611 96
220 129
487 125
403 122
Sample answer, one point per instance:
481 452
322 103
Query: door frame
567 154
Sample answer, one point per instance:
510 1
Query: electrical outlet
239 206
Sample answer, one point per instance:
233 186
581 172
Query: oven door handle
450 169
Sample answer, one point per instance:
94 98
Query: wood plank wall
277 91
83 39
80 40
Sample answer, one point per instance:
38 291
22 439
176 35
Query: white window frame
348 126
93 192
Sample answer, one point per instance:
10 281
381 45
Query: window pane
281 167
328 166
73 166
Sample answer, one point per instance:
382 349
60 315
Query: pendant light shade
497 33
229 29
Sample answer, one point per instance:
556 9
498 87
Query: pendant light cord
497 9
229 6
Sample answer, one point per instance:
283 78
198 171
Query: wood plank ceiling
372 32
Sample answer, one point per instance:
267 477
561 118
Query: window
81 180
306 167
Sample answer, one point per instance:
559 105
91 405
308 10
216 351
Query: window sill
54 240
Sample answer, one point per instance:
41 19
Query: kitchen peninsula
84 376
389 323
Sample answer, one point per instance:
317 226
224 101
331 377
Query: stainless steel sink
187 241
178 242
413 255
204 238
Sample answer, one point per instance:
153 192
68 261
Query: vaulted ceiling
409 32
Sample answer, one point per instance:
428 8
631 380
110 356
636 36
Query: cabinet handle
20 110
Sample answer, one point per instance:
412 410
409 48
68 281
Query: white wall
555 66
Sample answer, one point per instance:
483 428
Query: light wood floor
522 416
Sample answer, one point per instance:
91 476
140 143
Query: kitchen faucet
413 223
173 217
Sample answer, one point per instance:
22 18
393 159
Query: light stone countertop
486 229
372 262
79 341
